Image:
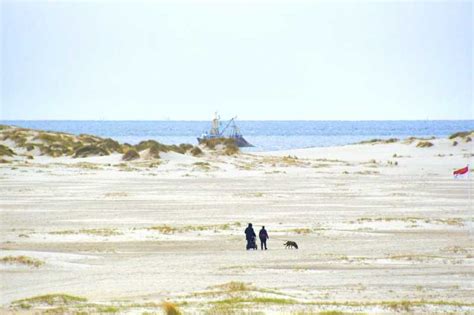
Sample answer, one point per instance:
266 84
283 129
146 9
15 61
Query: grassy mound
196 151
461 134
131 155
170 308
57 144
379 141
154 153
424 144
156 147
90 150
229 145
4 150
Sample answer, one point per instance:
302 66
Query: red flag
461 171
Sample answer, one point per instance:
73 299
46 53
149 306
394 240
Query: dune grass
379 141
98 232
156 147
6 151
52 299
58 144
90 150
170 308
229 145
424 144
234 286
196 151
167 229
22 260
205 166
461 134
447 221
131 155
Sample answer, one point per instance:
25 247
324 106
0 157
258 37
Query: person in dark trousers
263 235
250 237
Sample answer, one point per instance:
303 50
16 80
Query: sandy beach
381 228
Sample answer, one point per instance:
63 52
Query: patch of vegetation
447 221
111 145
234 286
167 229
410 140
155 147
424 144
256 300
52 299
154 152
130 155
229 145
90 150
461 134
205 166
170 308
379 141
99 232
231 149
23 260
86 166
196 151
108 309
4 150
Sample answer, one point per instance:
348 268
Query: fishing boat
230 131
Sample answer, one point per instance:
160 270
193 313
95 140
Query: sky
258 60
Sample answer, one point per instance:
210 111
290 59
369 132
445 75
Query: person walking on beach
263 235
250 237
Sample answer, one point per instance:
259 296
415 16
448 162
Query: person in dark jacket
263 235
250 237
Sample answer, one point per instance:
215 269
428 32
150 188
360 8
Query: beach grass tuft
6 151
424 144
130 155
51 299
90 150
23 260
461 134
196 151
229 145
379 141
170 308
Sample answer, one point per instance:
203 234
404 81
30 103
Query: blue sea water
265 135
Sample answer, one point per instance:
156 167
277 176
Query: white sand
376 231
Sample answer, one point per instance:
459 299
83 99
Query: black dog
290 244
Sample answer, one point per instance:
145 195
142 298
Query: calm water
265 135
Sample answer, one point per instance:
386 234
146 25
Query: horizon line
199 120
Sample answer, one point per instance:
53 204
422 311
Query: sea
264 135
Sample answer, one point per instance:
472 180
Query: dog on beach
290 244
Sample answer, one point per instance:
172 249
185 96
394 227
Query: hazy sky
255 59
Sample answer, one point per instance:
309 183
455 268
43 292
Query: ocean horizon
265 135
